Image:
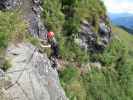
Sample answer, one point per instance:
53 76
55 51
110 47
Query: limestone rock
31 75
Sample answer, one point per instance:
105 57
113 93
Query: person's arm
45 46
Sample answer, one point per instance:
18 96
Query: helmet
50 35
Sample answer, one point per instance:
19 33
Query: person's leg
54 62
56 51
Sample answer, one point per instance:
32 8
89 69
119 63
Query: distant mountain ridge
124 20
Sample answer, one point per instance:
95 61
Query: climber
54 47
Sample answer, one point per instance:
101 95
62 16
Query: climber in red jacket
54 44
54 47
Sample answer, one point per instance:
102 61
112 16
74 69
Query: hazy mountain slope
123 20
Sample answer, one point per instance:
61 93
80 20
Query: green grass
110 82
12 29
73 85
72 52
63 16
124 36
52 15
113 81
126 39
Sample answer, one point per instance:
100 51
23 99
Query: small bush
12 28
114 52
53 17
102 85
69 74
71 51
70 79
6 65
3 40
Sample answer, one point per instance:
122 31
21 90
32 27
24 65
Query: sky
119 6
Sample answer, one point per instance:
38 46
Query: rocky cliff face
31 12
31 76
94 41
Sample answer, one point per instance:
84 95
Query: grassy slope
126 39
113 82
107 84
124 36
